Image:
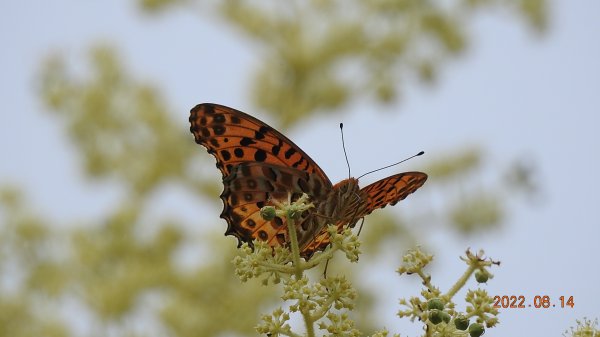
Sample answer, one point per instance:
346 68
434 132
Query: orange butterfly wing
379 194
258 163
234 137
392 189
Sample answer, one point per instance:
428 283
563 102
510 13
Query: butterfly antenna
344 147
394 164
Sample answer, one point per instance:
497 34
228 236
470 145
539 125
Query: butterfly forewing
390 190
258 164
234 137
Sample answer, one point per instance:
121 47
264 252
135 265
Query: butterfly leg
361 225
325 270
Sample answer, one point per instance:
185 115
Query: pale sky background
515 94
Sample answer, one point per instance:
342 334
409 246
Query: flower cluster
585 328
325 304
438 310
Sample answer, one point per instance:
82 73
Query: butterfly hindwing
251 186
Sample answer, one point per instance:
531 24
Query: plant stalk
308 321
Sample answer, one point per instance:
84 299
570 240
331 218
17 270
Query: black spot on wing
238 152
219 130
219 118
225 154
296 164
264 129
303 184
260 155
208 109
247 141
290 152
259 135
275 150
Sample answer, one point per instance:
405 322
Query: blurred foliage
112 273
110 117
108 277
320 55
30 271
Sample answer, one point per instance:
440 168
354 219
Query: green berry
461 323
481 277
435 303
268 213
435 316
476 330
446 317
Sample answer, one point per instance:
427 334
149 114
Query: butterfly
259 164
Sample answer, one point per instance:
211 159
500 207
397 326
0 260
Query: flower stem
295 248
298 268
461 282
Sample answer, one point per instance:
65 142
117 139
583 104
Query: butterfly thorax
345 203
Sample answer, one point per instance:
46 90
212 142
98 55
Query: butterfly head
349 185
